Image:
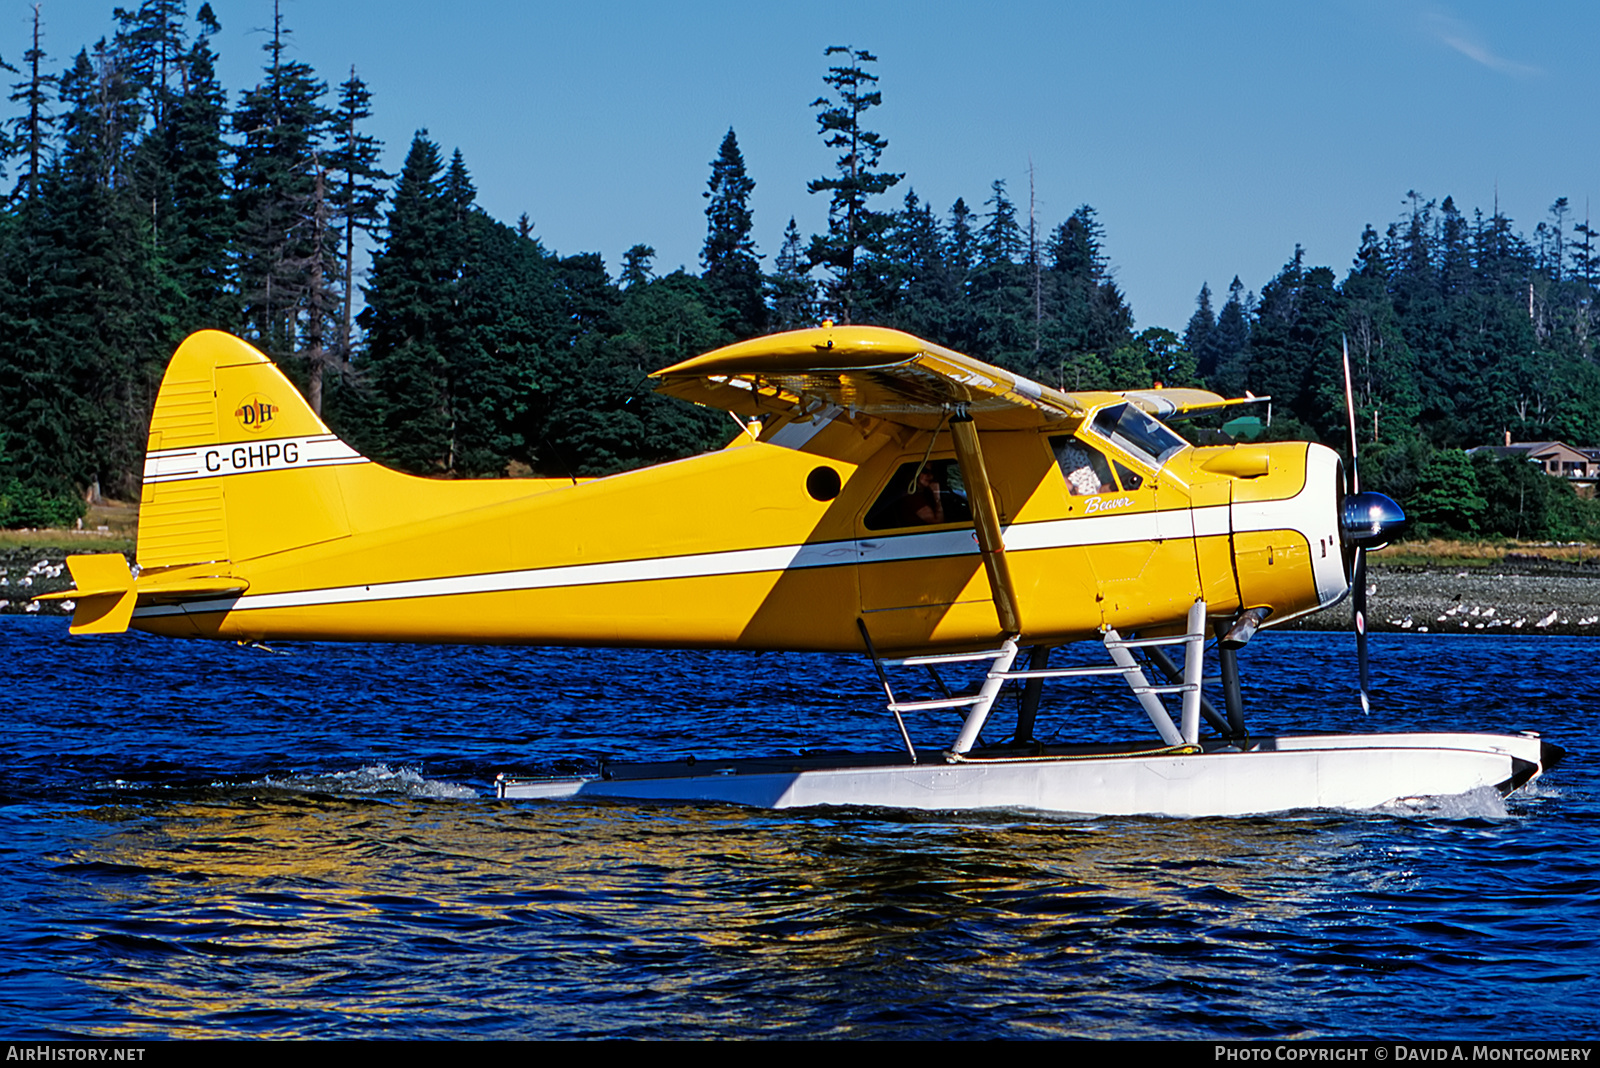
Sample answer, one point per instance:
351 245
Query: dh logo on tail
255 413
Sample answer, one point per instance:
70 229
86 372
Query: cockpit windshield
1133 430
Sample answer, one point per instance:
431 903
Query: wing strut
986 521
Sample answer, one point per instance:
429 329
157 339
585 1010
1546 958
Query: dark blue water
202 840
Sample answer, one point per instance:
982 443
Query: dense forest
144 201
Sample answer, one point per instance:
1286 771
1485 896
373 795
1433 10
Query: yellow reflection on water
300 916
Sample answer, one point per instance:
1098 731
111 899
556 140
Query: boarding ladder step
941 702
1149 694
1062 673
1193 639
1181 687
944 658
979 704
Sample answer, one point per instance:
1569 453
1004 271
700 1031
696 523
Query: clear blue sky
1209 137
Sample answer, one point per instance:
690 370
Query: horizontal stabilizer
104 593
192 588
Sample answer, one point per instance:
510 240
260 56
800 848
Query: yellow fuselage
729 549
257 523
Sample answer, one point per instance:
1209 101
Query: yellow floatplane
888 497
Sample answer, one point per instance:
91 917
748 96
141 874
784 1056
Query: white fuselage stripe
1025 537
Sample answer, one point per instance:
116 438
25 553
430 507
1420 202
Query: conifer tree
1383 369
1084 310
198 237
479 353
1000 239
1295 346
282 122
319 300
926 294
732 268
1227 347
409 309
30 131
999 296
1455 258
793 291
357 197
1201 323
152 40
1585 262
961 260
7 143
150 44
457 315
856 232
81 281
961 249
636 266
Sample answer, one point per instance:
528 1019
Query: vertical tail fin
233 466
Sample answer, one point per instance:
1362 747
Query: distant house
1580 467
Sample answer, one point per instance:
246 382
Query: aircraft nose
1369 520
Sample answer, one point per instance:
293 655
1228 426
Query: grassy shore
1437 552
110 527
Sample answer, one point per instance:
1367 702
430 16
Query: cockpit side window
921 495
1082 465
1143 437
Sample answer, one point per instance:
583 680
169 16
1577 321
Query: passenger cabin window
1145 439
921 495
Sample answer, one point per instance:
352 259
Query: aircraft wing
867 369
1182 403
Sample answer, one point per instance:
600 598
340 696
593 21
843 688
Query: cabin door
1137 530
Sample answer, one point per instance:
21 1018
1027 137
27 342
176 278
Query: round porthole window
823 483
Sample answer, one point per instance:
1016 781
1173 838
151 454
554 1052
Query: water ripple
204 841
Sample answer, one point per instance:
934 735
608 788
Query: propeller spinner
1366 521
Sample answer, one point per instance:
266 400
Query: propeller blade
1366 521
1358 567
1350 416
1358 583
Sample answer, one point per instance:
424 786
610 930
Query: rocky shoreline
25 573
1514 595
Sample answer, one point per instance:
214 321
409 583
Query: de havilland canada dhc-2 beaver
887 497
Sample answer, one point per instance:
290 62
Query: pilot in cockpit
1085 477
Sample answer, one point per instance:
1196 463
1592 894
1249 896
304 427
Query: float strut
1231 697
1169 667
1028 710
1194 651
877 665
1142 690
